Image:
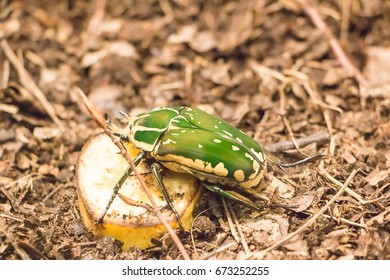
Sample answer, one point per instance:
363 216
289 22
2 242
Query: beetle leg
119 184
232 195
156 169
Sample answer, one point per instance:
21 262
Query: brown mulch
261 65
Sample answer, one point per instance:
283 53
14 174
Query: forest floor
264 66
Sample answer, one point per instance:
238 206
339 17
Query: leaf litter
249 62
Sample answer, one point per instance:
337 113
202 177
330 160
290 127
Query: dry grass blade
230 221
29 83
241 233
343 220
308 223
219 250
324 173
101 122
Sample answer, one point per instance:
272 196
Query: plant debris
276 70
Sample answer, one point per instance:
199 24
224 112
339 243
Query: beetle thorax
146 129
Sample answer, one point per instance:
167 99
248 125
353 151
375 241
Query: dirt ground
262 65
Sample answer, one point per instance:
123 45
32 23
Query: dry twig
324 173
319 138
101 122
132 202
285 121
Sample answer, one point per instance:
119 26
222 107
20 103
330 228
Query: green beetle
189 140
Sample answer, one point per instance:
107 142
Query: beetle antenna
274 161
126 116
302 161
117 131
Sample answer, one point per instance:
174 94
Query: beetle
189 140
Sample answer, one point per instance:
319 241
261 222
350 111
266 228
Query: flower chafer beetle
189 140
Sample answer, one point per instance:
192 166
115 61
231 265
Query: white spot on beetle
220 170
198 122
170 160
249 156
215 126
239 175
193 131
235 148
183 131
169 141
259 155
217 141
228 133
200 146
239 140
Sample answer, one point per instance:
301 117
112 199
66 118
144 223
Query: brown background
245 61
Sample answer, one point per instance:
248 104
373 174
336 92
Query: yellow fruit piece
100 167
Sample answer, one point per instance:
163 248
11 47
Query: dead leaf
48 170
268 229
119 48
203 41
91 58
6 135
184 35
239 29
123 49
46 133
303 201
283 190
334 76
110 27
218 73
64 31
23 161
298 246
376 176
347 155
377 70
104 96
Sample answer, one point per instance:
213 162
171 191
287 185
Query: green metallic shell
208 157
206 121
192 141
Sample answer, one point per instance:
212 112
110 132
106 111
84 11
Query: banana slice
100 167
